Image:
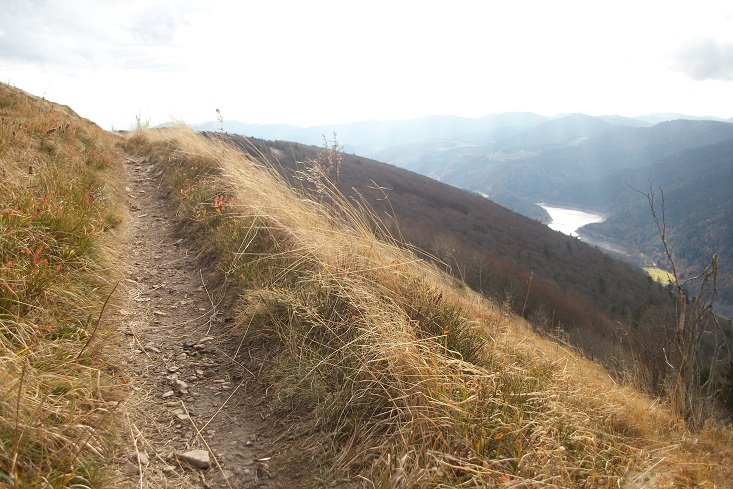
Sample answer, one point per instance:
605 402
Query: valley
579 162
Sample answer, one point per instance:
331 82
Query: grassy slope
59 207
577 291
390 372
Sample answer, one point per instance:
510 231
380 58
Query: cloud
706 59
85 34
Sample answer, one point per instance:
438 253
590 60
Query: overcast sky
313 62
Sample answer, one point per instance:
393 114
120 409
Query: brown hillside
575 289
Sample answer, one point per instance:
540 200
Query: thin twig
99 319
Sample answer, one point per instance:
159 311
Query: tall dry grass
389 373
59 207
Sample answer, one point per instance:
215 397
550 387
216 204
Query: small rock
205 339
182 417
188 344
168 469
181 386
172 369
196 458
141 457
167 394
182 356
199 372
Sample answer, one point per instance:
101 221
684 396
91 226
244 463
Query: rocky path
194 419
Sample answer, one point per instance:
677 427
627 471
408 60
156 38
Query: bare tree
690 395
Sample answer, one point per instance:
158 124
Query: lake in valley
568 221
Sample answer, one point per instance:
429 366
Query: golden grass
390 373
59 207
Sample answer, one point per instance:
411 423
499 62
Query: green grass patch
659 275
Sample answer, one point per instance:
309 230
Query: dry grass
390 374
59 206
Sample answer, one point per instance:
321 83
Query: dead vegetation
59 208
390 373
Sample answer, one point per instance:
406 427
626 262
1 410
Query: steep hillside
388 373
574 286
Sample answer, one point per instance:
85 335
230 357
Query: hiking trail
192 399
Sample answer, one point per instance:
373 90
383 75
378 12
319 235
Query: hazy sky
311 62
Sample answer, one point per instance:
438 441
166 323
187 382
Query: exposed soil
189 390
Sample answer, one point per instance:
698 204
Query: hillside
174 314
575 287
699 210
62 218
566 166
383 367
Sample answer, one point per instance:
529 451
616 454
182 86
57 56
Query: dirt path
189 392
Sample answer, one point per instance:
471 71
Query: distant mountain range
366 137
574 160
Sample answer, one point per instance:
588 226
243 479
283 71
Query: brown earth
189 388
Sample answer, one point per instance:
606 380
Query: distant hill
698 192
672 116
495 250
562 161
558 161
